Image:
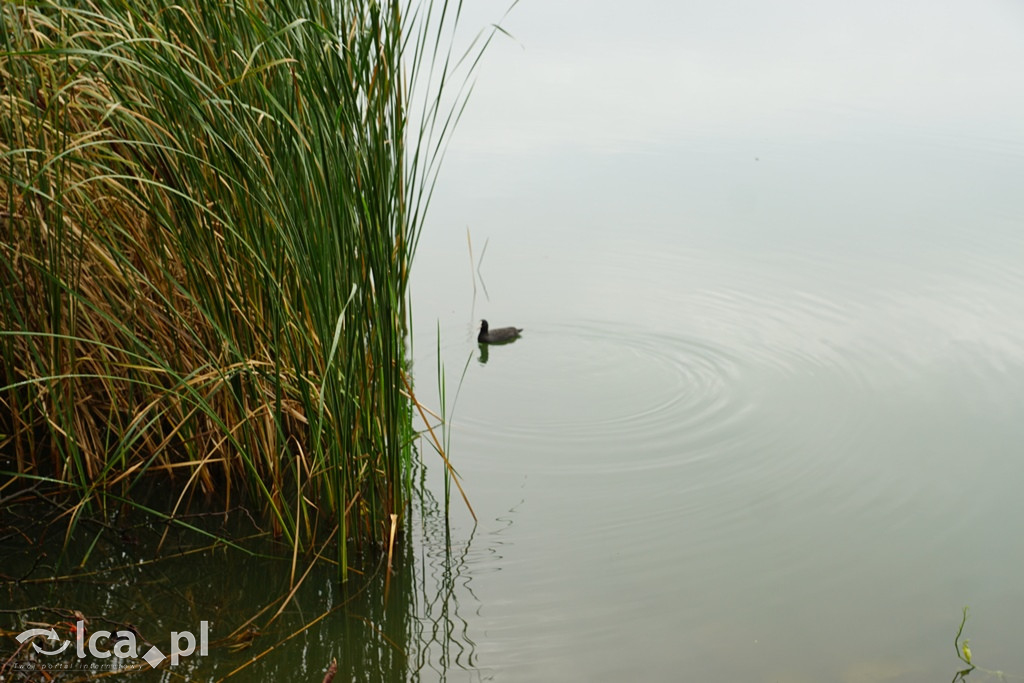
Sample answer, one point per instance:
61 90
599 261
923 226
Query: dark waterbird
497 336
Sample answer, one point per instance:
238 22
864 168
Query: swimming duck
497 336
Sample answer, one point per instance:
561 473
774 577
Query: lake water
764 423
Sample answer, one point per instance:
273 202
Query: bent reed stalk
208 213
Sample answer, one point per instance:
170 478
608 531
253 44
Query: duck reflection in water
499 335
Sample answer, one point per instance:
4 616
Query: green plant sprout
963 653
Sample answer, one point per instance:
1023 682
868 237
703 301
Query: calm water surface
765 420
764 423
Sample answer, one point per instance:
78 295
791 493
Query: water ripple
615 387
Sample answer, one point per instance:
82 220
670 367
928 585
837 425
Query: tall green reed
209 213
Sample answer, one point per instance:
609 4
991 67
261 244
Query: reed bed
208 213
